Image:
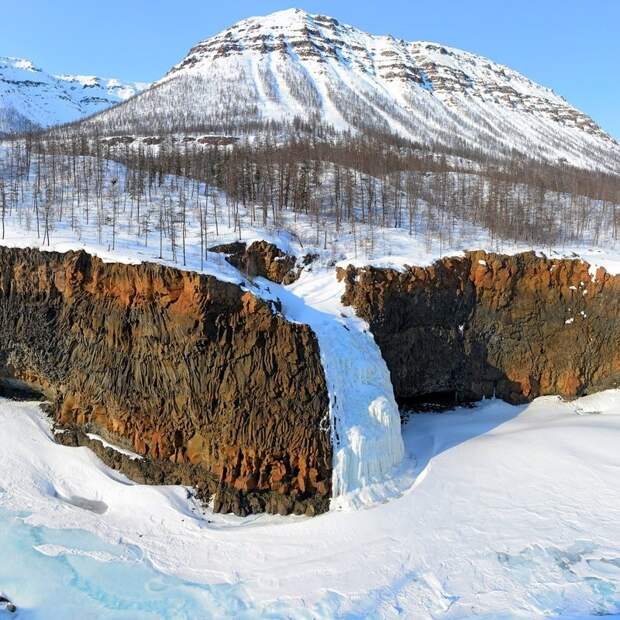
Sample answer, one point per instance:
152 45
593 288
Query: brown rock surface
262 259
202 378
515 326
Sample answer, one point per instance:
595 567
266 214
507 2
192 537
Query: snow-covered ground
84 221
497 511
512 512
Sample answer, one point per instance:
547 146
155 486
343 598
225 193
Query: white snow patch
132 455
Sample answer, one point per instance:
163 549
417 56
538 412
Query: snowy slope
292 64
30 97
514 513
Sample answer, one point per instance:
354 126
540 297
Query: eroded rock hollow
516 327
210 383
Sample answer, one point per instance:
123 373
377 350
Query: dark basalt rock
204 380
516 327
5 603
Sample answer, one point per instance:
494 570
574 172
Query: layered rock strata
485 325
206 381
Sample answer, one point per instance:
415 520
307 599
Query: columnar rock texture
200 377
516 327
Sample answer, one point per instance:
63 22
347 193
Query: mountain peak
22 64
292 65
285 15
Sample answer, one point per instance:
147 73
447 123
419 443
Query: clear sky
572 46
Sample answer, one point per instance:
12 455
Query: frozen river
66 574
511 513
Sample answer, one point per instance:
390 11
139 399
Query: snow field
514 513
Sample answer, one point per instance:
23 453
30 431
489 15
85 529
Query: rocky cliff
516 327
211 384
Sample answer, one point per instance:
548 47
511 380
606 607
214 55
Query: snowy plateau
489 511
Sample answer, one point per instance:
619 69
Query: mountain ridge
292 65
31 98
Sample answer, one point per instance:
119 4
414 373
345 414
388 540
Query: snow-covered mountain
291 64
30 97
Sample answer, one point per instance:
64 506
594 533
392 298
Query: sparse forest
232 101
172 191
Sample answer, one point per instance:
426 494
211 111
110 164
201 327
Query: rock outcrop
262 259
204 379
7 605
516 327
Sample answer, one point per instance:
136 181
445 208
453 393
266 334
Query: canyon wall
516 327
218 391
207 381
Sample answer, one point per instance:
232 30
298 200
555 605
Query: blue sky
572 46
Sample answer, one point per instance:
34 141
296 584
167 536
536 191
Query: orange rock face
261 259
176 366
516 327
